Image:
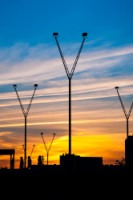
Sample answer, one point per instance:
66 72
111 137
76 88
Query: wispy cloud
95 104
38 64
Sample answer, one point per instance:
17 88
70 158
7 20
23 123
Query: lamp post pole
69 76
47 149
127 114
25 113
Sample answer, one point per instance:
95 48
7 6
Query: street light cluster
69 75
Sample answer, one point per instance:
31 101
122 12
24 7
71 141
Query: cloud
23 64
95 105
87 84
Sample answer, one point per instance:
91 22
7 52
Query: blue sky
29 54
33 22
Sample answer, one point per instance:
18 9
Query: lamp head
116 87
84 34
55 34
14 85
35 85
41 133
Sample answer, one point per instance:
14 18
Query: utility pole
69 76
47 149
127 115
25 113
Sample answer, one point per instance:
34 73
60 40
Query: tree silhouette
120 162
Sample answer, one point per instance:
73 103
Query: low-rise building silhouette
11 153
76 162
129 151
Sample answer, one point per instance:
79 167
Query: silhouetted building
75 162
10 152
129 151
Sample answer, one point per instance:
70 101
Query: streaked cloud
95 105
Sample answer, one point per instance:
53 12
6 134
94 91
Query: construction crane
69 75
127 115
25 114
46 148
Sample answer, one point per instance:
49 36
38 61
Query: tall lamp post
25 113
127 115
69 76
47 149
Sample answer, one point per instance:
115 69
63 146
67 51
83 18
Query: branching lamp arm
22 108
44 143
32 150
61 54
121 102
130 110
76 60
28 108
51 142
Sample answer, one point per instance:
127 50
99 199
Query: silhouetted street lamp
69 76
25 113
127 114
47 149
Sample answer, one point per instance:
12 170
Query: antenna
25 113
69 76
127 115
47 149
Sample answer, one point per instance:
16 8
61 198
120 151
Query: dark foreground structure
11 153
68 182
77 163
129 151
54 182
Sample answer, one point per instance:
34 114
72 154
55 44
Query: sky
29 55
